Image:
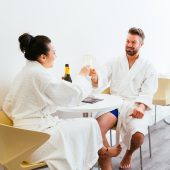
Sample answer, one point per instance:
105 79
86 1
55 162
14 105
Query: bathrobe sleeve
104 75
64 93
148 87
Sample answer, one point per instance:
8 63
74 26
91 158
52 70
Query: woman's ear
42 59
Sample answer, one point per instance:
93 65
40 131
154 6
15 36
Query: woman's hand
85 71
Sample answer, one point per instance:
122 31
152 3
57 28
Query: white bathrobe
135 85
34 96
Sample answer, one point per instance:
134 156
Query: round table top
109 102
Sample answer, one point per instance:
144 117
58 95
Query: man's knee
103 126
138 138
106 122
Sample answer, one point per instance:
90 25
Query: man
135 80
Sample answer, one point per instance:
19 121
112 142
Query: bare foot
102 151
114 151
105 163
126 161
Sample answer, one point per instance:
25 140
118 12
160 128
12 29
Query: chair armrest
17 144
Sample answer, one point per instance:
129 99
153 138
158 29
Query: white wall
79 27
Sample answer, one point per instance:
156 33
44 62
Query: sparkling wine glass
88 60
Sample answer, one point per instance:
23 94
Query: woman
36 94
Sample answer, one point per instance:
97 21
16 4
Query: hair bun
24 41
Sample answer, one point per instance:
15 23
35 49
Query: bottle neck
67 70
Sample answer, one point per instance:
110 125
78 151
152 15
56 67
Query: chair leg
155 115
149 137
111 138
98 166
141 161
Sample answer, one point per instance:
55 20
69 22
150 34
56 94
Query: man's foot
114 151
102 151
110 151
126 162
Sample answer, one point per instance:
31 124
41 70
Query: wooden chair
17 144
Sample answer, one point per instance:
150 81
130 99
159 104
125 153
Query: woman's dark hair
33 47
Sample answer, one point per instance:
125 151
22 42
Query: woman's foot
105 162
126 162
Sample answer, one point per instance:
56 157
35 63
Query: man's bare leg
136 141
106 122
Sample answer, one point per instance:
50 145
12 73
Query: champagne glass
88 60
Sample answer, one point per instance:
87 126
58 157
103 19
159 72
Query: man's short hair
137 31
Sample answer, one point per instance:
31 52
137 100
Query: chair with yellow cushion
17 144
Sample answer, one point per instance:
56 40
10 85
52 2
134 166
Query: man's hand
94 77
138 113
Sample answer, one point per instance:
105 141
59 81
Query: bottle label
67 70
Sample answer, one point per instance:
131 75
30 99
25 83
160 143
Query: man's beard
131 51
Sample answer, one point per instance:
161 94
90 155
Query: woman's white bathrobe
135 85
34 96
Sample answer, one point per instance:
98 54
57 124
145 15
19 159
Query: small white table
109 102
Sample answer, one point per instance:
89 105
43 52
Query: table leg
85 114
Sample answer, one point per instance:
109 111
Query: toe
124 167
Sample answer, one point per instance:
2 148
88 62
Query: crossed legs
106 122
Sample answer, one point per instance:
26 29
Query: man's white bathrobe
135 85
34 96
